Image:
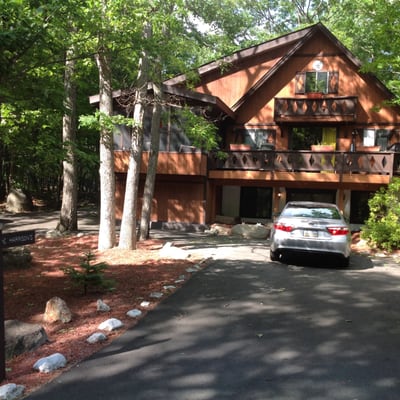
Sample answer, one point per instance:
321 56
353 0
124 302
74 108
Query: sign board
13 239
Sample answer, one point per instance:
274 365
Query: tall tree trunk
127 239
152 166
69 207
107 180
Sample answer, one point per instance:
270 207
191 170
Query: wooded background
54 55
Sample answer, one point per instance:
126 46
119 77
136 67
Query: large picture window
303 137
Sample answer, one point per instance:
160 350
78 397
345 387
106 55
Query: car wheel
273 255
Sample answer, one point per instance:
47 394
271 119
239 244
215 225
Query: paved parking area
43 221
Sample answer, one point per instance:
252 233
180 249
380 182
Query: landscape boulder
219 230
257 231
111 324
171 251
103 307
53 234
57 310
18 201
21 337
11 391
50 363
134 313
96 338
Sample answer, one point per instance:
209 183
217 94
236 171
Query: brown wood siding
174 200
232 84
168 163
300 179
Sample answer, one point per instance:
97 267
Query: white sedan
306 227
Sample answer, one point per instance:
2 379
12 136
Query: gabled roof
293 41
243 54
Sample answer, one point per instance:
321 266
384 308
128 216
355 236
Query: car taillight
283 227
338 230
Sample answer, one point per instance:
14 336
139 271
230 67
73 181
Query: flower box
322 147
371 149
239 147
315 95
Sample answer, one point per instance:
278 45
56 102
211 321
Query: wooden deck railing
384 163
343 108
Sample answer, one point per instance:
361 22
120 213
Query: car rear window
314 212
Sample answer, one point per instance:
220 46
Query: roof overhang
243 54
190 97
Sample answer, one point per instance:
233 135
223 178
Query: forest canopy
37 37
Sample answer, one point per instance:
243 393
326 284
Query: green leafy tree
371 30
28 94
33 41
382 229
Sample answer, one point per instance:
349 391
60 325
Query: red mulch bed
137 273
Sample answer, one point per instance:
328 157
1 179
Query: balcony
335 166
338 109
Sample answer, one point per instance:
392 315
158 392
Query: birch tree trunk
149 185
128 239
107 180
69 207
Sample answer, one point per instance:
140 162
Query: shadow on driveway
251 329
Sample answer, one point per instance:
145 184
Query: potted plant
239 147
322 147
315 88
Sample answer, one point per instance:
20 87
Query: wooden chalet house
297 120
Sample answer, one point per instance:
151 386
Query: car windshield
314 212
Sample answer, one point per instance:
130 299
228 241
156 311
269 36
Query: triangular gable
294 41
297 45
303 37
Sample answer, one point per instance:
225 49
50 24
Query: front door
256 202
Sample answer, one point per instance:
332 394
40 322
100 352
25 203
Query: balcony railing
296 109
384 163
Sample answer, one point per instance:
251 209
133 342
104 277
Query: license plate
310 234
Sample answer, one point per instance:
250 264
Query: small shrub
89 275
382 228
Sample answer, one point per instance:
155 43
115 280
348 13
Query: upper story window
376 137
173 137
256 138
317 81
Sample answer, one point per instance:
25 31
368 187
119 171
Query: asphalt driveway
248 328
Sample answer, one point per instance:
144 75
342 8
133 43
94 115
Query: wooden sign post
11 239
